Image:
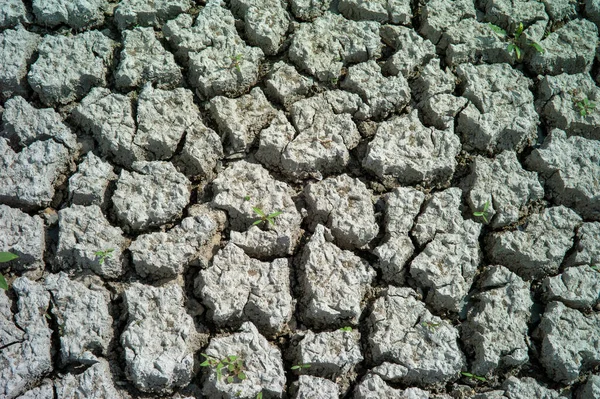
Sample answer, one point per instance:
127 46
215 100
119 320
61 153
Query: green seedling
484 212
259 396
247 198
596 267
431 326
301 366
585 106
5 257
102 255
513 45
236 60
270 218
474 376
346 329
232 365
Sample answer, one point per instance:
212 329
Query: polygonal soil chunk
201 152
576 287
237 288
17 49
86 240
571 167
148 12
501 115
344 205
324 46
412 345
24 236
538 249
510 13
394 11
109 117
567 102
381 95
243 188
407 152
157 339
527 387
166 254
274 140
569 49
309 387
26 340
561 10
13 12
496 328
401 209
286 85
503 185
144 60
95 382
240 119
28 178
438 15
592 11
587 246
163 117
333 282
59 79
153 194
433 80
75 14
265 23
308 10
570 342
89 185
591 389
81 312
329 353
373 387
326 134
24 124
261 364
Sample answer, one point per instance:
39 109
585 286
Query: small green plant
232 365
595 267
102 255
5 257
431 326
259 396
346 329
585 106
514 41
474 376
301 366
247 198
236 61
270 218
484 212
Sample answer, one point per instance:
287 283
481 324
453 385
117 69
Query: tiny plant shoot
431 326
301 366
513 45
474 376
5 257
346 329
585 106
236 60
232 365
484 212
102 255
264 217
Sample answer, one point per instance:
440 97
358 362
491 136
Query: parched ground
300 199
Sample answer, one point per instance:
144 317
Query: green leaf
259 221
259 396
259 211
518 52
3 283
537 47
484 218
347 328
479 214
519 30
467 374
230 379
231 367
274 214
247 198
497 29
7 257
510 47
241 376
486 205
205 363
296 367
232 358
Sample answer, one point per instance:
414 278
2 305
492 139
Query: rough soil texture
304 199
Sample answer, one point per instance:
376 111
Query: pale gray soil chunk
329 354
286 85
262 363
148 12
154 193
475 42
592 11
24 124
577 287
432 80
571 167
157 338
96 382
526 388
265 23
89 185
308 10
324 46
412 345
560 10
163 117
373 387
505 185
245 180
407 152
344 205
201 151
587 247
237 288
438 15
537 250
82 314
496 330
570 49
23 235
401 209
12 12
143 60
501 113
84 231
241 119
381 95
29 358
309 387
44 391
394 11
166 254
77 15
570 342
591 389
60 80
558 99
274 140
17 49
109 117
28 178
333 282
